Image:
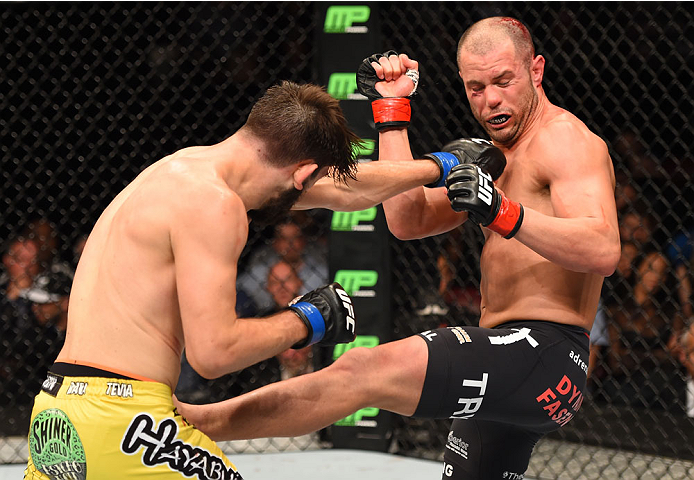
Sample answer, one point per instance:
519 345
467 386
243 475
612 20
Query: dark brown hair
299 122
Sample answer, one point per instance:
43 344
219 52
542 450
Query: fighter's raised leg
389 376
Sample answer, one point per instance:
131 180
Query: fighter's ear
537 70
303 172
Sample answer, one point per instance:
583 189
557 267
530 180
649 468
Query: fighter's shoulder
208 212
205 196
565 134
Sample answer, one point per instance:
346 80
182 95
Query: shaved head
489 33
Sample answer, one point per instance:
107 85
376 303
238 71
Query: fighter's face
500 91
276 208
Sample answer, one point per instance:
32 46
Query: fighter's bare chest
525 180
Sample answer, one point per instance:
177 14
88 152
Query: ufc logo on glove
347 303
485 187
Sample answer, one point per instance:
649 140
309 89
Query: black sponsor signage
359 257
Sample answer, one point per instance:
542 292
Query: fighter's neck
238 162
534 122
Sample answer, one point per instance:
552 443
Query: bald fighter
551 236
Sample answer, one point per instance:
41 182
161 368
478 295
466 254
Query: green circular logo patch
55 447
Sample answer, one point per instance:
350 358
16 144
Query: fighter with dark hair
158 273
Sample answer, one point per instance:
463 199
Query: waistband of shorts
105 388
78 368
569 329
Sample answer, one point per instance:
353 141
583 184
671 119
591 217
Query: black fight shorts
505 387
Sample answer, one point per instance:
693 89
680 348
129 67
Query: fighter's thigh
391 375
487 450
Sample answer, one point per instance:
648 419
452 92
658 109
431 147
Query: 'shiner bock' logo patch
55 447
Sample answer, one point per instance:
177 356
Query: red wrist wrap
391 112
509 218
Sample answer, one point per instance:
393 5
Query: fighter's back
123 312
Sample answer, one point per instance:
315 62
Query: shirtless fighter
158 274
550 225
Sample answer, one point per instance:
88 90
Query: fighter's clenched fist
328 315
471 189
389 79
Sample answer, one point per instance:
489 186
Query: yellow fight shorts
112 428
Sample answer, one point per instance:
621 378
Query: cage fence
93 93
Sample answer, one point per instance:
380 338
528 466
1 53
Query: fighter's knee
357 372
355 362
388 376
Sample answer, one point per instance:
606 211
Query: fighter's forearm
244 342
407 207
375 182
587 244
419 212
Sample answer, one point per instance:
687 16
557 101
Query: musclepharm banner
359 254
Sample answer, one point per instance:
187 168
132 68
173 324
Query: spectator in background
37 279
643 329
290 245
33 318
625 192
636 237
46 236
20 263
49 295
686 357
636 225
616 288
680 252
284 284
642 317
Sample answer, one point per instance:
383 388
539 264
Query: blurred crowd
34 290
642 351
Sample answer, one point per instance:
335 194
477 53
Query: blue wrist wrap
448 161
314 318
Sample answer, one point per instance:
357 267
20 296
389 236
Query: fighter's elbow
399 234
402 226
612 263
204 364
403 232
605 259
607 262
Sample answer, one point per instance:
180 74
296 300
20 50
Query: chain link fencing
92 93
